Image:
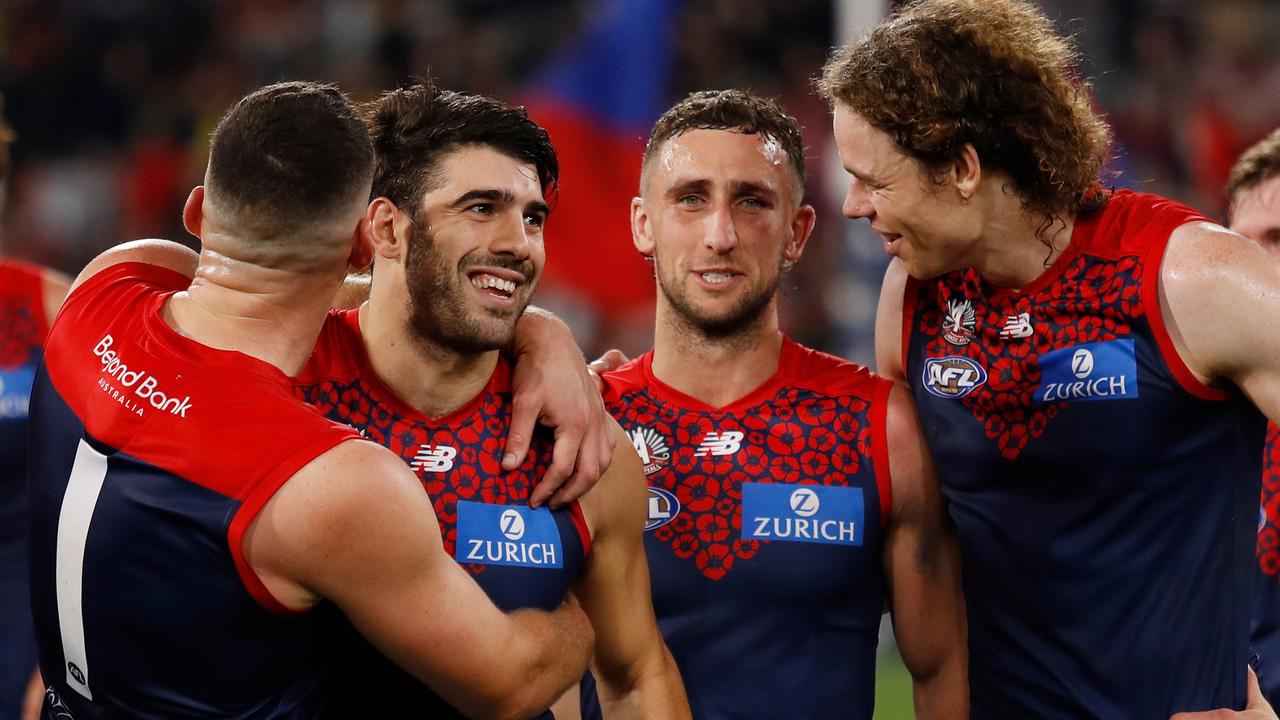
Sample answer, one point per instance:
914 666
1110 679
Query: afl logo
805 503
952 377
663 507
652 449
512 524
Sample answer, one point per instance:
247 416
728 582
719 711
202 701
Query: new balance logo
434 458
724 443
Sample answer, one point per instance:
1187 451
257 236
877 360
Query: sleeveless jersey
521 557
1266 591
22 333
150 456
764 534
1105 500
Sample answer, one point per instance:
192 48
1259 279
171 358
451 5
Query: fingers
524 416
610 360
1255 701
563 456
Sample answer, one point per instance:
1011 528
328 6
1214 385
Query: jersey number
85 484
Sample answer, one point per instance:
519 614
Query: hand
551 385
1256 707
610 360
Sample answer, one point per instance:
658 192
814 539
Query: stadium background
113 100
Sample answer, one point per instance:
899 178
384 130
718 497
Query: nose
513 237
721 236
857 201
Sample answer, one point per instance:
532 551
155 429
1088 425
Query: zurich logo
952 377
1082 363
663 508
805 503
512 524
1089 372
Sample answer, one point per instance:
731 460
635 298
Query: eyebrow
737 188
505 197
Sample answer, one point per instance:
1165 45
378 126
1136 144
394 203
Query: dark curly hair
416 126
939 74
1258 164
732 110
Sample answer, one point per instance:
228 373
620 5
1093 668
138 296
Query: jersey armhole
253 504
1152 269
910 295
880 446
580 524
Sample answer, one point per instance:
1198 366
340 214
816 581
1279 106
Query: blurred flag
598 99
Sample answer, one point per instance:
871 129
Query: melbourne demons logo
960 322
652 449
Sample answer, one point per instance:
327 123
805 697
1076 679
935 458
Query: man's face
1256 214
476 251
719 217
915 218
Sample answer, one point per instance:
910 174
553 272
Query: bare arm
162 253
551 385
889 323
636 675
53 288
922 566
373 547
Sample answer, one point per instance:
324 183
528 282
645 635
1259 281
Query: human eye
535 219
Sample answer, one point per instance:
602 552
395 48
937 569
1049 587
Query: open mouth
716 278
494 285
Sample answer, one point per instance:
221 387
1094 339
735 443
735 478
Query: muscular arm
373 547
1219 295
922 566
889 323
635 673
164 253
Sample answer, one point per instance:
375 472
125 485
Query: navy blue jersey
150 456
764 534
521 557
1105 500
1266 592
22 333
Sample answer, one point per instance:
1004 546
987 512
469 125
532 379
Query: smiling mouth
493 285
716 278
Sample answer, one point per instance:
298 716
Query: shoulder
827 374
889 318
624 380
163 254
617 500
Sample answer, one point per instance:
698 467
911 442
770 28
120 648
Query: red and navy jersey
522 557
22 331
1266 591
1105 499
764 534
151 454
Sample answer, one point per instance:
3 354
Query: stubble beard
739 322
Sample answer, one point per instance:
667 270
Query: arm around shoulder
355 526
637 677
922 567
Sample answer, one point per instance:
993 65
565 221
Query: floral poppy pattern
1269 519
796 437
1094 300
474 472
20 332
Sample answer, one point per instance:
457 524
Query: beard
440 312
745 313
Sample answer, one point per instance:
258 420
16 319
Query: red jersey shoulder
826 374
625 379
1131 222
339 350
219 418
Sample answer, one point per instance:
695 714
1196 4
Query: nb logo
434 458
724 443
512 524
805 503
1082 363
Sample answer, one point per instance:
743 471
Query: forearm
651 691
943 694
547 654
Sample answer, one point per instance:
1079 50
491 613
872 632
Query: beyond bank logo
805 513
507 535
1096 371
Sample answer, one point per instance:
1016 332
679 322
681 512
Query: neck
1017 246
715 370
271 314
433 379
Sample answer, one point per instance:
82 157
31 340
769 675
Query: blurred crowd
112 102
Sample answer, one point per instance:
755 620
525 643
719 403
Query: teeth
485 282
715 277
